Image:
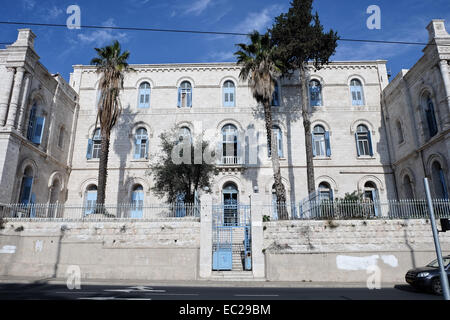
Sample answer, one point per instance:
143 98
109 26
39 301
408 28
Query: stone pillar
258 259
24 103
206 236
5 93
443 64
18 79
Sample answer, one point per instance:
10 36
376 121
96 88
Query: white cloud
55 12
103 36
198 7
258 20
221 56
29 4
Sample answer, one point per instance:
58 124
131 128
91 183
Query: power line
199 32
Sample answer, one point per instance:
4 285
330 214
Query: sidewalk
196 283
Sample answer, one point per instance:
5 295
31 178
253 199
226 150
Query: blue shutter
357 145
33 207
38 130
228 97
189 98
137 199
31 123
137 148
146 148
26 190
370 143
280 143
90 147
91 201
327 143
444 185
313 145
179 97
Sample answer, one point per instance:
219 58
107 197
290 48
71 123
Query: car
428 278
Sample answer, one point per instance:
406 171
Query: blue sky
60 48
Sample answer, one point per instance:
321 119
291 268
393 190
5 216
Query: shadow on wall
122 147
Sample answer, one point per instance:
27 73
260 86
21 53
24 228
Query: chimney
25 39
436 29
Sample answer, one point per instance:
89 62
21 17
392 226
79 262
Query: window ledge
139 160
93 160
321 158
366 158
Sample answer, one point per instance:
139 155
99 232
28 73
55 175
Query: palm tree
261 69
111 64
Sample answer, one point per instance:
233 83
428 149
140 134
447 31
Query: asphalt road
44 291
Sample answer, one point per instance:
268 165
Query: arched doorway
230 201
371 195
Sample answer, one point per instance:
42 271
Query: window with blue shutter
144 95
180 207
431 118
91 200
185 95
38 130
229 93
141 144
31 123
315 93
356 90
33 207
319 141
443 183
363 141
27 184
137 200
276 96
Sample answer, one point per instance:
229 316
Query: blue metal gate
229 218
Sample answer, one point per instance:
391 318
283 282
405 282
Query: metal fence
341 210
107 212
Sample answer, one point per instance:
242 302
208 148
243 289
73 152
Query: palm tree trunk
102 173
308 136
272 142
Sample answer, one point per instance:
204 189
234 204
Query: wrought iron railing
317 209
121 211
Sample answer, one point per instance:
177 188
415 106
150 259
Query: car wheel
436 286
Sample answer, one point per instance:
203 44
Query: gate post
256 207
205 236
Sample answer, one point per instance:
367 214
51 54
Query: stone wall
147 250
342 250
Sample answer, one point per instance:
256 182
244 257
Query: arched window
137 202
363 141
229 94
230 201
439 181
61 137
399 132
36 125
315 93
26 195
371 195
408 188
279 138
144 95
325 191
55 191
356 90
185 133
276 96
90 199
321 142
94 145
185 95
430 116
141 144
229 144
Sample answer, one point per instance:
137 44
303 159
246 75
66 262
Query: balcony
231 161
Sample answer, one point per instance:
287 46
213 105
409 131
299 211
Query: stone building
416 109
37 120
351 150
49 141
